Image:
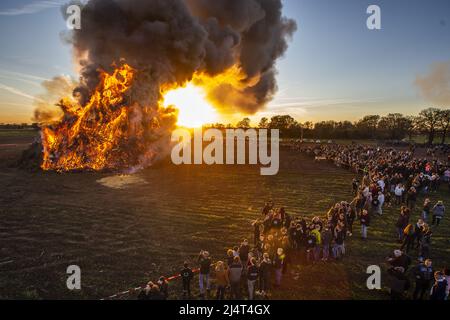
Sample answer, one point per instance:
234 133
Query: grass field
122 238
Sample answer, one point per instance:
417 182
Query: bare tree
428 122
444 124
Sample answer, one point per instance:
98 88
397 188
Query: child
186 275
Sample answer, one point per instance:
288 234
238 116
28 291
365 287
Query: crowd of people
386 178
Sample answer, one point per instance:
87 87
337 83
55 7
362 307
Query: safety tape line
168 279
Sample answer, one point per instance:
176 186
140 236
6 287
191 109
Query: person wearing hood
438 213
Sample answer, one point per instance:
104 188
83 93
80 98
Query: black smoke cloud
169 40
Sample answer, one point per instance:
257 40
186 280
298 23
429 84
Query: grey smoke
435 86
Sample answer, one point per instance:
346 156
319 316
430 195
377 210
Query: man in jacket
424 275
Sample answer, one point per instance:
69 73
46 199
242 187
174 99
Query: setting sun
194 109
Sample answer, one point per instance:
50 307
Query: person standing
235 274
205 269
278 264
339 246
411 198
365 222
265 273
222 280
438 290
424 274
447 278
252 276
401 224
186 276
426 211
399 190
381 199
438 213
318 243
326 237
244 250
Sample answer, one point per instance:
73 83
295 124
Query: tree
264 123
411 126
428 122
444 123
325 129
243 124
394 125
282 122
368 125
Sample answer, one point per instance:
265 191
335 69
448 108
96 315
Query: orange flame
104 134
99 135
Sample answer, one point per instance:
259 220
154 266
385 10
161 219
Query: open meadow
125 231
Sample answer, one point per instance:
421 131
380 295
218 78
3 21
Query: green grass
124 238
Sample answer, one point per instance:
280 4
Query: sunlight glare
194 109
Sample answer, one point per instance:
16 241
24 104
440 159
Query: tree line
431 122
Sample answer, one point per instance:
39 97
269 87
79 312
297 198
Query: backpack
409 230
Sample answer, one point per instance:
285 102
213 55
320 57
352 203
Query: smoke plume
435 86
130 52
170 40
46 110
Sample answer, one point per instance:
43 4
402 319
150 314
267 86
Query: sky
335 67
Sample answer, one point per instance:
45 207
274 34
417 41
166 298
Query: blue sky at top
335 67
